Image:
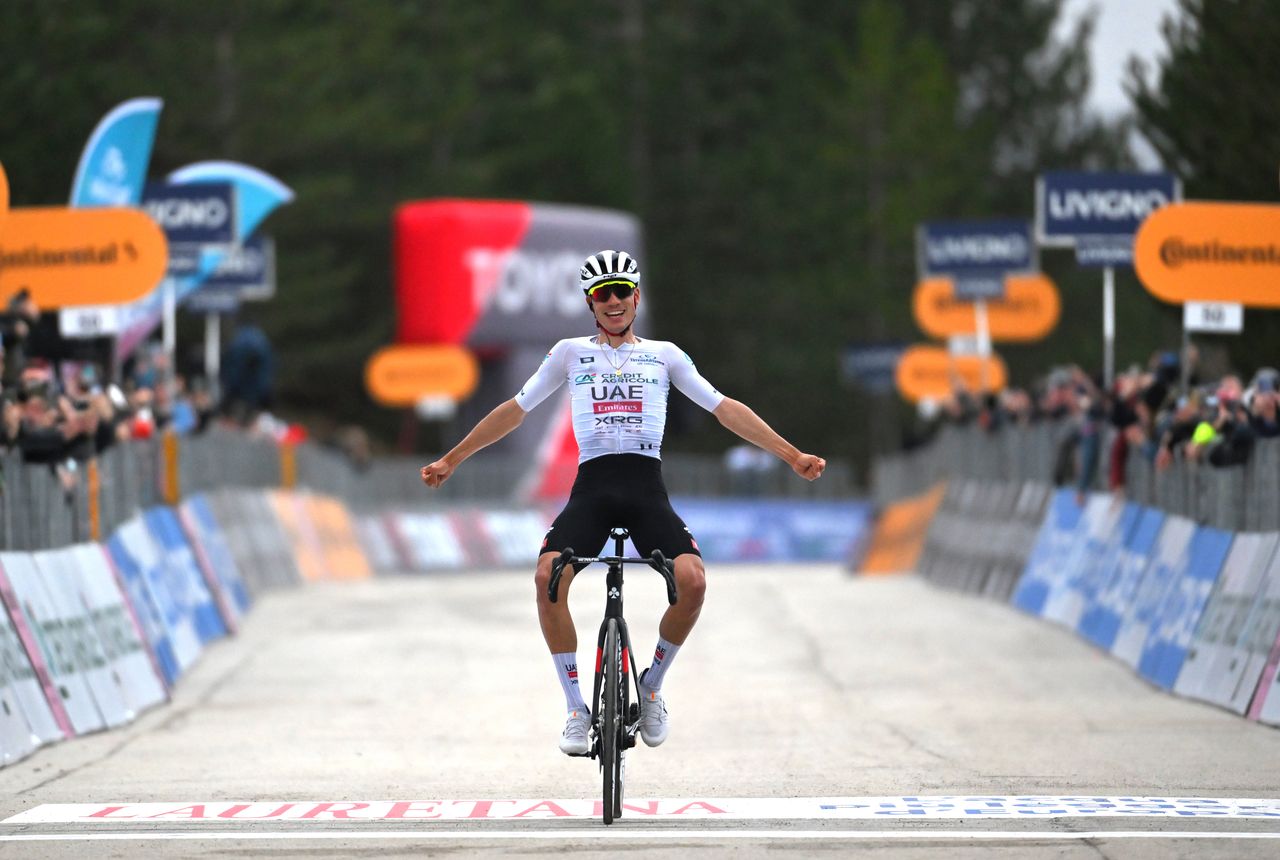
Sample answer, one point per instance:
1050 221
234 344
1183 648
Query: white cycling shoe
577 727
653 714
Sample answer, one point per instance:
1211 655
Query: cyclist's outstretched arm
741 419
502 420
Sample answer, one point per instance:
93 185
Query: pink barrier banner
20 693
57 571
15 568
1217 665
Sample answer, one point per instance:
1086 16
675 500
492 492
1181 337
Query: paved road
798 683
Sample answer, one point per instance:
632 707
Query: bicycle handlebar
656 560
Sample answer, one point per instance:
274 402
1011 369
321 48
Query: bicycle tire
611 717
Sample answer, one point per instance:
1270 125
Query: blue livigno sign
976 255
1074 204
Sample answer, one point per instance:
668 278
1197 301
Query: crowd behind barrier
1153 533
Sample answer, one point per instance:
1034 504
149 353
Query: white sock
662 657
567 672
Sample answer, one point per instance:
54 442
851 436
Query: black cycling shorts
623 490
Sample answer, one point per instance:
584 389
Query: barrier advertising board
60 646
429 541
1103 620
1176 617
1262 640
169 625
57 569
1096 557
117 628
30 678
215 558
17 740
1057 535
1216 659
186 582
1168 558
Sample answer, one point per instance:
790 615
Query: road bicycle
615 715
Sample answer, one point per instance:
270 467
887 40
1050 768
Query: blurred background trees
779 154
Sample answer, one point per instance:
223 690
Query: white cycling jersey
618 396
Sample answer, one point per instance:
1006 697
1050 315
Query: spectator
1263 404
247 374
16 324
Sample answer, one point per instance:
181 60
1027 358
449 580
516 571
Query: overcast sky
1124 28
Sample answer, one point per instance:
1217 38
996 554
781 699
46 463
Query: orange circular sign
105 256
403 375
1028 311
931 372
1211 252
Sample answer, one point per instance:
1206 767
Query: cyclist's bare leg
557 623
691 584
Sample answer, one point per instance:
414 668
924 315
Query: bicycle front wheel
611 718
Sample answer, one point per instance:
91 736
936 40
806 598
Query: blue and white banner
1059 534
1102 621
1073 204
1176 618
186 583
113 166
257 194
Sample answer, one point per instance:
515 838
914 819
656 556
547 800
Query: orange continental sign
403 375
1028 311
930 372
1211 252
104 256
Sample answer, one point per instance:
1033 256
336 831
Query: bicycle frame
627 711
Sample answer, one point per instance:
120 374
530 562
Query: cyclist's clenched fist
809 466
435 474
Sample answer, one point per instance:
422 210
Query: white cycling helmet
608 266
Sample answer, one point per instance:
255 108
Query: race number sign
81 256
1216 317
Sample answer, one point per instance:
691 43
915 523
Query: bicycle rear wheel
611 717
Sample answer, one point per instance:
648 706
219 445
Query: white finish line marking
684 809
639 835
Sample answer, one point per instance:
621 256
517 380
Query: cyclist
618 386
